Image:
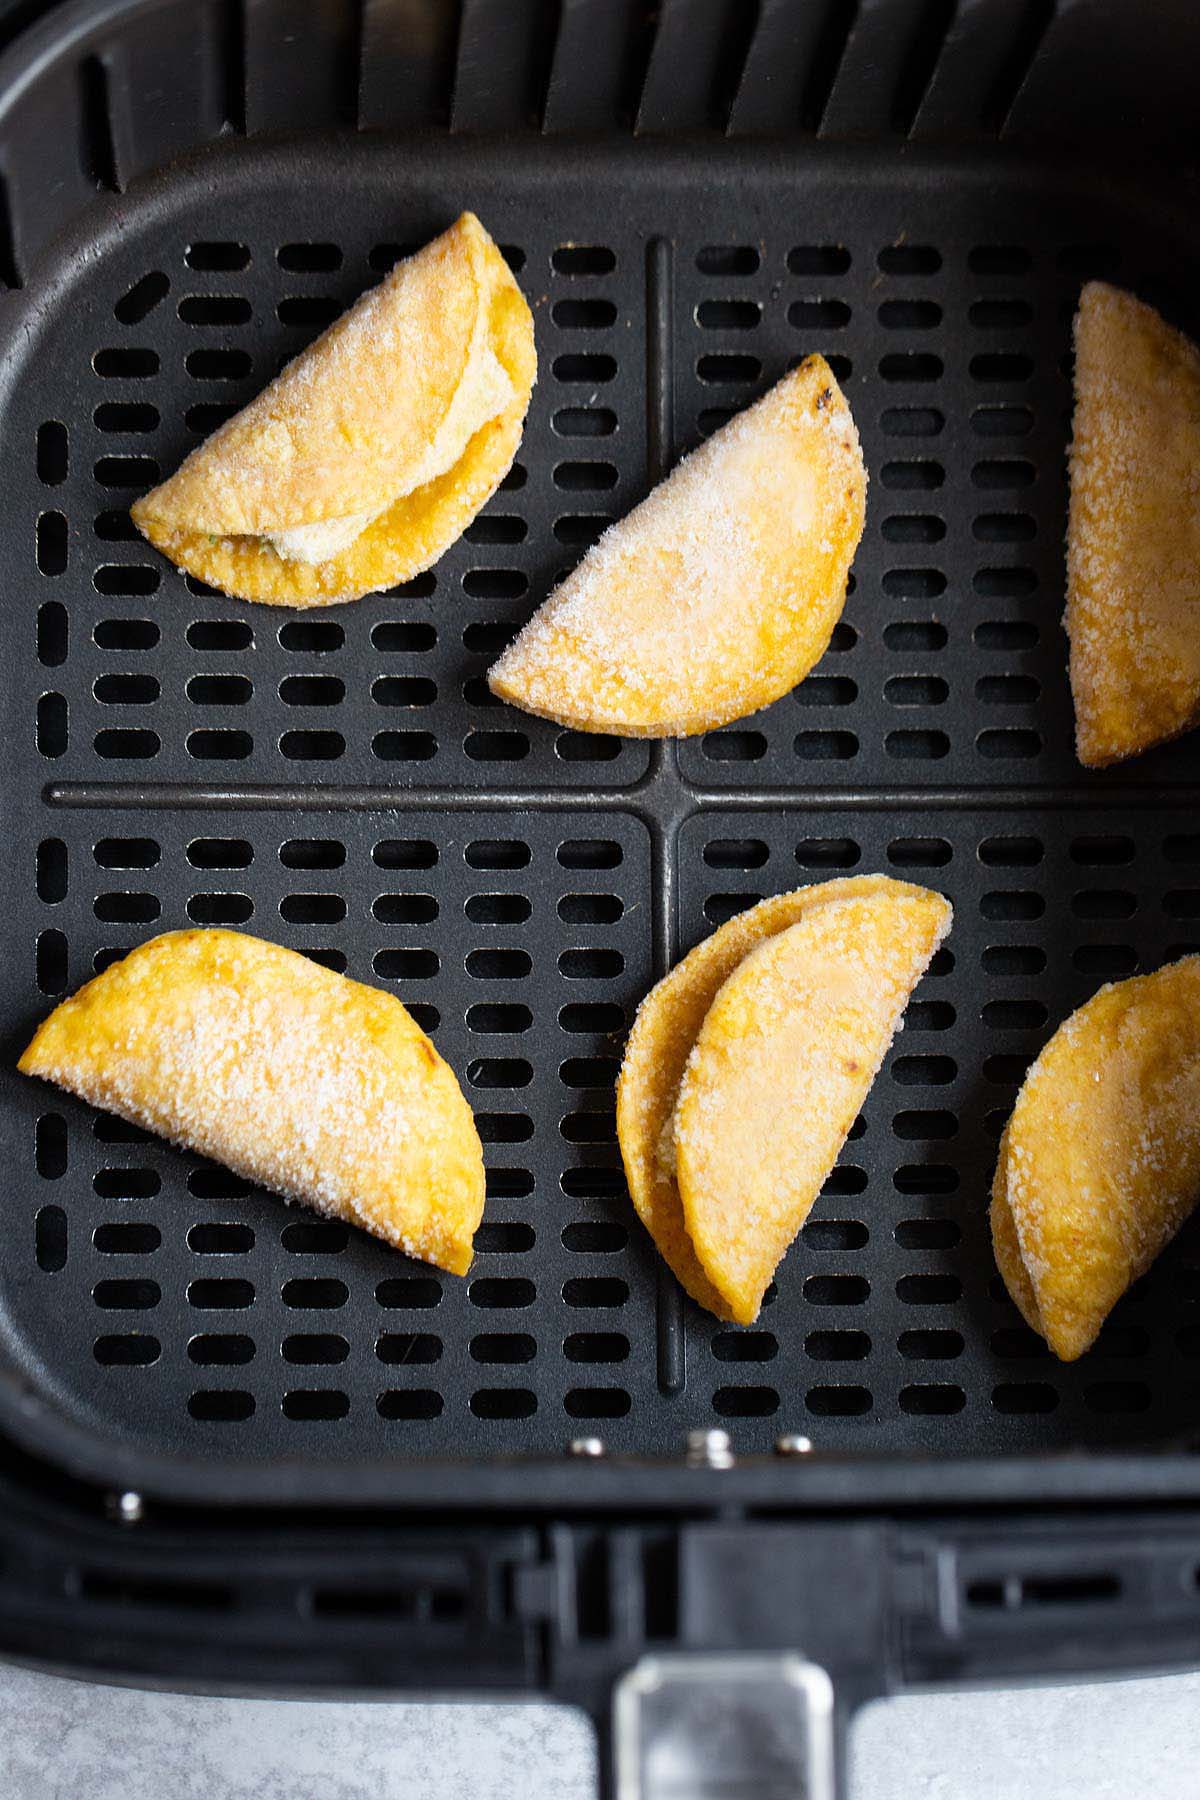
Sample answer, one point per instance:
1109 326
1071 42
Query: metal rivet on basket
586 1446
792 1444
709 1450
126 1507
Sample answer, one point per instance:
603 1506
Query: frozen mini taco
1133 534
746 1067
720 591
368 456
319 1087
1099 1164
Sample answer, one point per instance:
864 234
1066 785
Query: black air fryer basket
249 1448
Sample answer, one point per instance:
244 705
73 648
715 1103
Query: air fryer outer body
250 1450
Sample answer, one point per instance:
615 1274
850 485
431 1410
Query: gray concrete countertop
67 1740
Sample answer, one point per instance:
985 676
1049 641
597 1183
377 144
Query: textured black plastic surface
887 183
340 781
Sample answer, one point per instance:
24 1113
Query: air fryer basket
693 196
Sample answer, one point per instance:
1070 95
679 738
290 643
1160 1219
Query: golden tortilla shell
784 1059
719 592
666 1028
1133 535
350 423
1099 1165
316 1086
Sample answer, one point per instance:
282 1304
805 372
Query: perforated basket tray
342 782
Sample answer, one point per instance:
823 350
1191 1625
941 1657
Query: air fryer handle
744 1675
726 1727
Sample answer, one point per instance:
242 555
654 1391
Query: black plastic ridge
193 796
230 48
928 42
503 64
1036 16
10 274
98 154
671 1353
827 55
406 78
